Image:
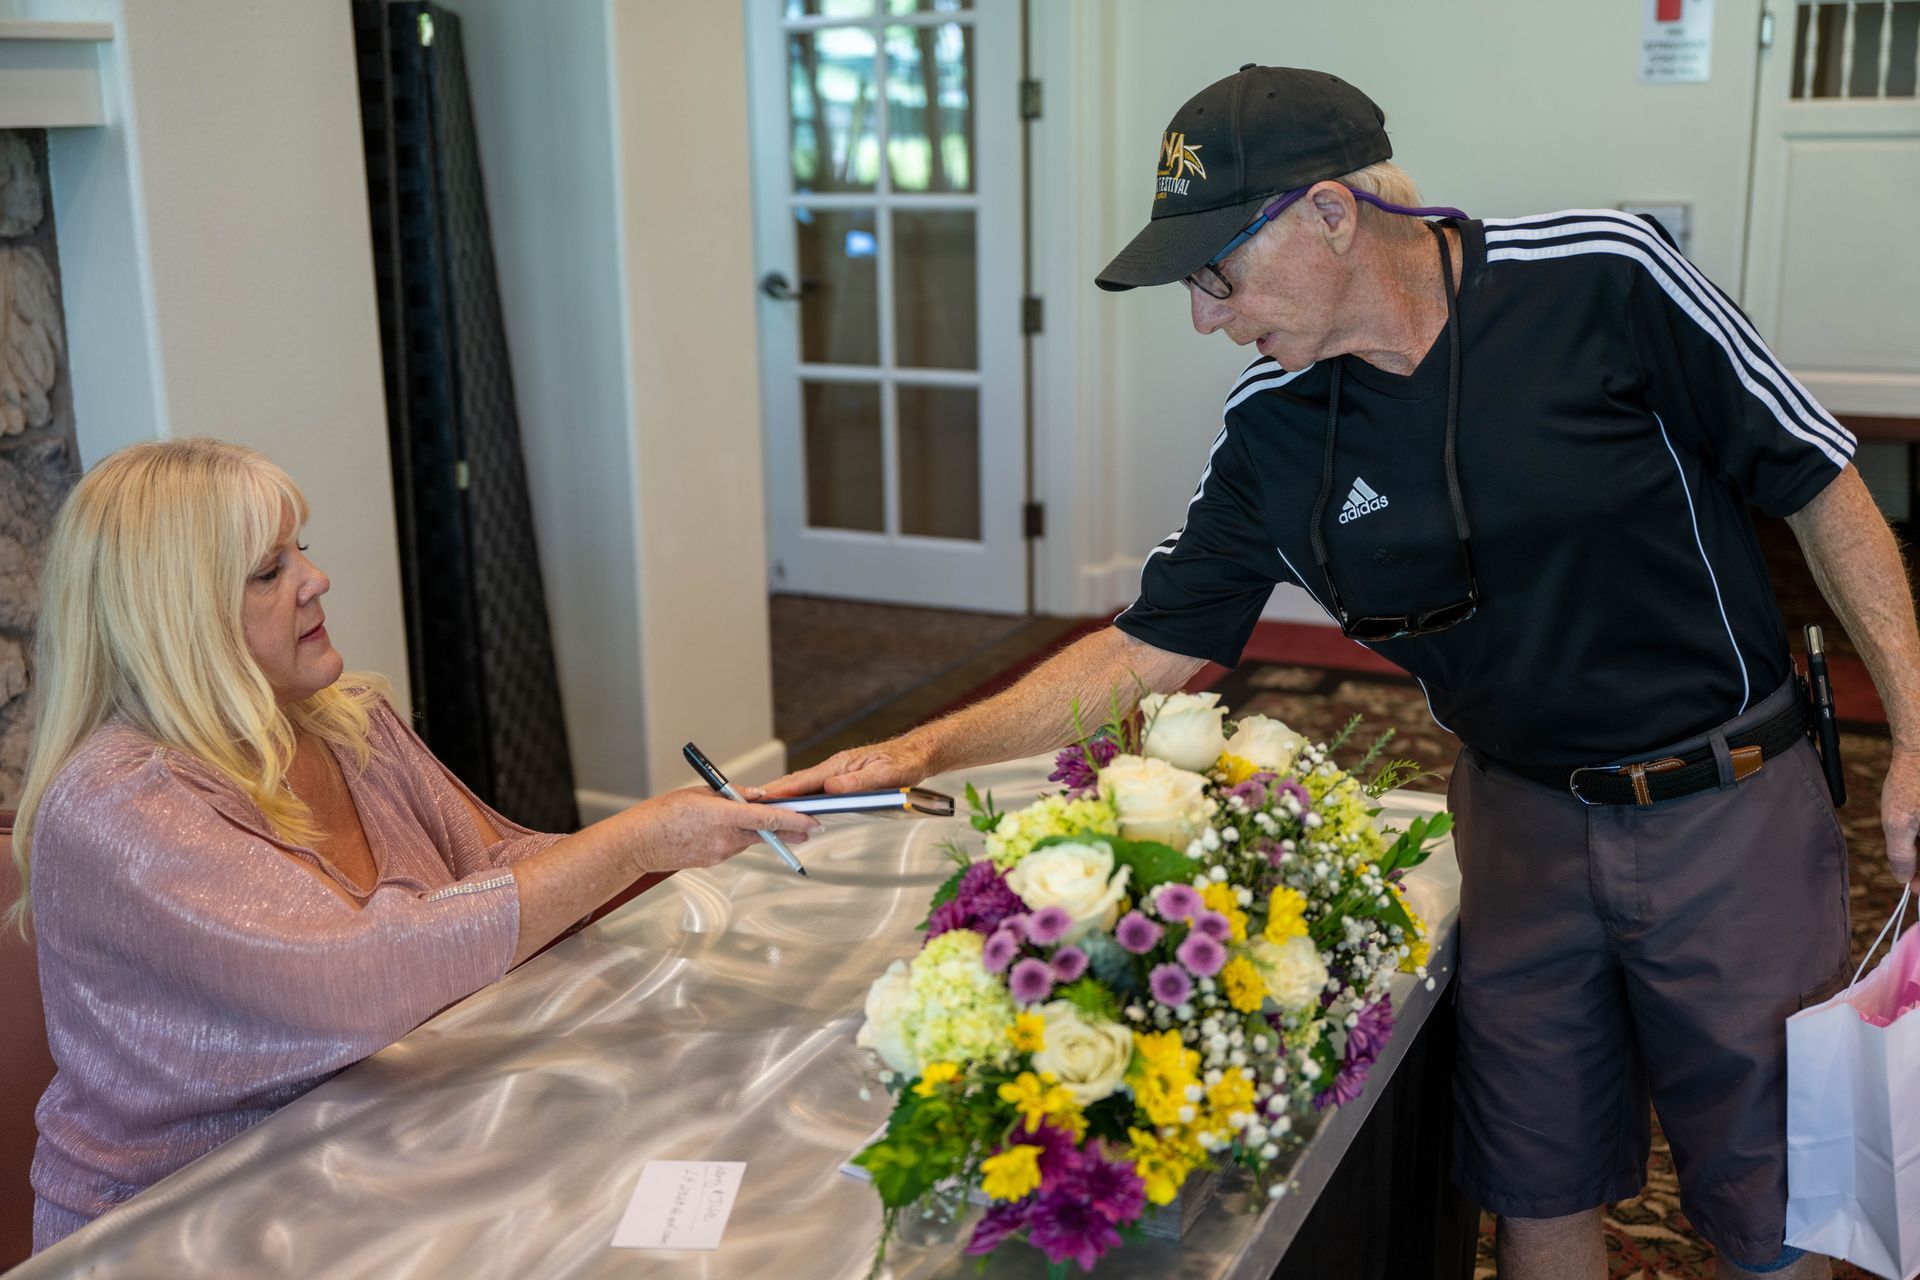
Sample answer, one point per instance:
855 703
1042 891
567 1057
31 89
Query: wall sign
1676 41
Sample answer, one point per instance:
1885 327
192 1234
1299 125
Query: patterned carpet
1647 1237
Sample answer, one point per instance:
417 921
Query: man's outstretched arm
1032 716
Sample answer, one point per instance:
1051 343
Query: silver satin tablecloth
711 1019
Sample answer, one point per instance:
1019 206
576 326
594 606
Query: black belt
1645 782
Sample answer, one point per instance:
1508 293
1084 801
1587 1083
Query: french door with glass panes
887 224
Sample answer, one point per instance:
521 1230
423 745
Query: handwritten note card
680 1204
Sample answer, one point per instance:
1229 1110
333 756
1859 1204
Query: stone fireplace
38 453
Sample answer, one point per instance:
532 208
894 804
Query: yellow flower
936 1074
1161 1073
1237 769
1163 1164
1418 951
1012 1173
1245 988
1220 897
1043 1097
1232 1092
1028 1032
1286 915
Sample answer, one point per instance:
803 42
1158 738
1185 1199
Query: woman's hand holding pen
693 827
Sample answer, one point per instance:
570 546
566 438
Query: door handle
774 284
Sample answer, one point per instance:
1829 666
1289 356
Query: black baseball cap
1234 146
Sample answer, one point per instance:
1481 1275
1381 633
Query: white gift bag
1853 1116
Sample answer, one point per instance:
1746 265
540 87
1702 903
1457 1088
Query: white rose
1293 970
1079 878
1155 800
1184 729
1265 743
1089 1057
883 1031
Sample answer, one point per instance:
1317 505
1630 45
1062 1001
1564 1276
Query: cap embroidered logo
1361 501
1177 159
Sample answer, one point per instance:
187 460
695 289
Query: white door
1833 245
887 171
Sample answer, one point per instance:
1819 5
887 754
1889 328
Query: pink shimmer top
197 978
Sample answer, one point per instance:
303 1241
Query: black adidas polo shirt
1617 415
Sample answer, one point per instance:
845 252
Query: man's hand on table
897 763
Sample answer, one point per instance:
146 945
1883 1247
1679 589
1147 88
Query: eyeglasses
1398 626
1209 279
1213 282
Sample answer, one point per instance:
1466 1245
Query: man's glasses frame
1213 282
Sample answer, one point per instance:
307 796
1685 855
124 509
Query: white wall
613 137
540 81
1501 107
686 261
215 252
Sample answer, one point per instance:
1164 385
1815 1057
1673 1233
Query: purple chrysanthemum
1048 925
1368 1036
1170 984
1068 1229
1059 1156
1001 1221
1113 1191
1298 792
1031 981
1213 925
1069 963
1255 791
1000 950
1137 933
1078 767
1017 924
1202 955
1371 1033
1177 902
981 902
1346 1086
1271 848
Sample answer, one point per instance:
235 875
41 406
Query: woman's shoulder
116 769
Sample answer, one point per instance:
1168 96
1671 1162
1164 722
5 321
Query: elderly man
1515 456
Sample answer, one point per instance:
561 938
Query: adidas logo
1361 501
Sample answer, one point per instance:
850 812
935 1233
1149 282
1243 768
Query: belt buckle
1636 771
1573 780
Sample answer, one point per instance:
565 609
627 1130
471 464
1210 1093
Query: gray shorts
1612 954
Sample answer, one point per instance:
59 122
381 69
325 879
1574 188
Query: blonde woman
244 871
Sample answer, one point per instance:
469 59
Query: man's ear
1335 214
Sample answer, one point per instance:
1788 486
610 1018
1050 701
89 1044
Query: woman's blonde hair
141 615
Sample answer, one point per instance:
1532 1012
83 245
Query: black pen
1824 725
713 778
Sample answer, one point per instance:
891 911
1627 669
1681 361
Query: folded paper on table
680 1204
1853 1119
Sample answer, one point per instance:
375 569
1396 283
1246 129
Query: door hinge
1033 315
461 475
1029 99
1766 28
1034 519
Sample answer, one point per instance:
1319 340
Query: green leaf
1091 999
985 816
1153 863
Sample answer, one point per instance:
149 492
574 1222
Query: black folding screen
485 691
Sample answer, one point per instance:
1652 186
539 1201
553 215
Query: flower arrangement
1162 965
